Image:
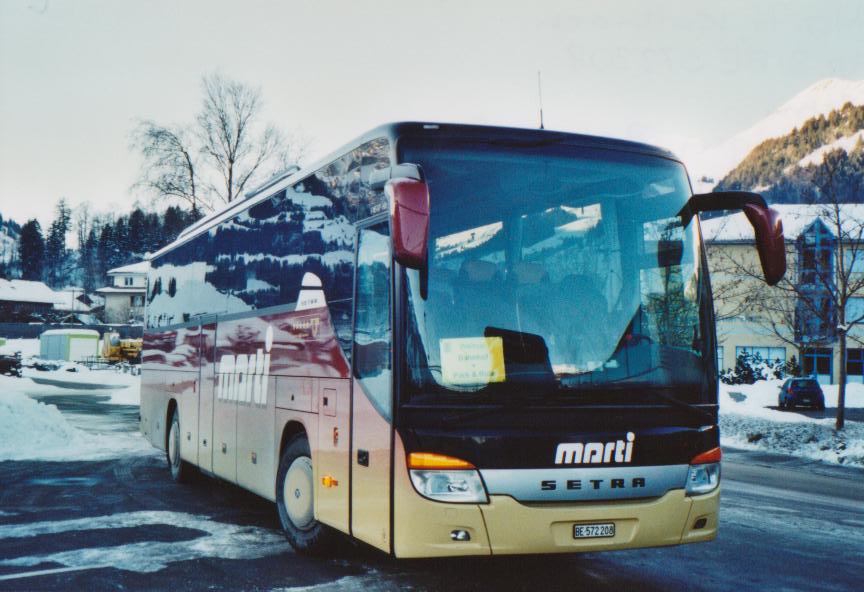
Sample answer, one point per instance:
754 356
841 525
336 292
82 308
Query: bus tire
181 471
295 499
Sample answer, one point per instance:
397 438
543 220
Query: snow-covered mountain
817 99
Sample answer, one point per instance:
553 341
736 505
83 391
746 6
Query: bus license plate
589 531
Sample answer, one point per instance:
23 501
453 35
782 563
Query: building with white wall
124 296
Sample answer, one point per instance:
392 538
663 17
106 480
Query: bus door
186 387
372 401
207 376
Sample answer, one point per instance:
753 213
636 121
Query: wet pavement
122 524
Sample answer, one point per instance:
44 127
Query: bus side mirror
768 228
409 220
767 225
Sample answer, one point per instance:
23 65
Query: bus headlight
445 478
449 486
703 478
704 473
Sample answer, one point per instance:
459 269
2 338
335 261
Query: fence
34 330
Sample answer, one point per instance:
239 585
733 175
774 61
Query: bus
448 340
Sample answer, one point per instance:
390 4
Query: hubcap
173 444
297 493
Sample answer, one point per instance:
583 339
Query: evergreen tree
152 239
135 233
31 251
89 261
57 256
174 221
121 248
103 248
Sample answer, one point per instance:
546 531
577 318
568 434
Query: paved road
122 524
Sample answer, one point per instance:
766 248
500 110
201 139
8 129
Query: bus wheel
294 500
181 471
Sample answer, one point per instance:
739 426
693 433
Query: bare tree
230 141
218 157
169 167
740 293
812 302
83 221
840 183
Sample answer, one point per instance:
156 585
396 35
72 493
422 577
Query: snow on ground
69 378
747 422
219 540
27 347
128 394
30 430
76 377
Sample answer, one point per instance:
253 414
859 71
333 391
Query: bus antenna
540 95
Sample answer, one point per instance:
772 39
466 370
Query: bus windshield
555 271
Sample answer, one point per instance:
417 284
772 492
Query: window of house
855 309
768 354
720 357
817 362
853 260
127 281
855 364
816 252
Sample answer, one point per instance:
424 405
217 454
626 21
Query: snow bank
27 347
128 396
72 376
747 422
30 430
817 440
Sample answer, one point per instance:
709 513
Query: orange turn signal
430 460
711 456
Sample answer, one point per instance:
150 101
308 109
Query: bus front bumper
514 528
505 526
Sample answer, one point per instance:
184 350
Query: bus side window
371 156
372 335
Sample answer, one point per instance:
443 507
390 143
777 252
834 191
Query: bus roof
488 133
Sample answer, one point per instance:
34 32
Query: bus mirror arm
766 222
379 177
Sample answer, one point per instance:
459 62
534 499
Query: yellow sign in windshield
472 360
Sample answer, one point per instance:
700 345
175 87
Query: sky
75 76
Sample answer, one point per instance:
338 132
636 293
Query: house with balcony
124 296
800 317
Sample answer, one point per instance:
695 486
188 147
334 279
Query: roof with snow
796 218
26 291
140 267
121 290
73 332
69 299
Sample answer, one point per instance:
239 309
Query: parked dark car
801 391
10 365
